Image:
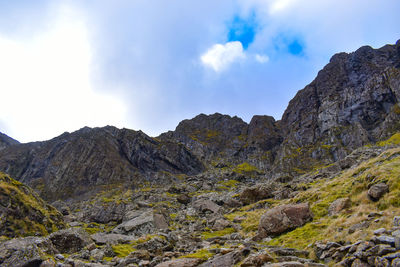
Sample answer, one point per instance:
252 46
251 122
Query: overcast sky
149 64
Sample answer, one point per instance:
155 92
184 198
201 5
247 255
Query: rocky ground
344 214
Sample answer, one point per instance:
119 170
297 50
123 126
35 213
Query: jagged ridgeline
320 186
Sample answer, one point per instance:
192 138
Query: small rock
359 263
384 239
187 262
338 205
377 191
184 199
380 231
59 257
381 262
396 221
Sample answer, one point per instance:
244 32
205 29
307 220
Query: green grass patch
123 250
210 234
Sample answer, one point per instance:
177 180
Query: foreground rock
180 263
377 191
70 240
27 251
142 223
283 218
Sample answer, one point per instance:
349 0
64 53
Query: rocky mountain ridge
352 102
319 187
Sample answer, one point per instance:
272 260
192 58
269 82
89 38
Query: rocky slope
73 164
23 213
347 218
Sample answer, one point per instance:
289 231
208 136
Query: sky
146 65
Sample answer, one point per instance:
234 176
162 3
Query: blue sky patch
242 30
295 47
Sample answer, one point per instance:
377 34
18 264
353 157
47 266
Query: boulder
338 205
204 205
184 199
258 192
70 240
227 260
144 223
25 251
104 238
283 218
188 262
377 191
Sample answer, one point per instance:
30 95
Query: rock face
283 218
23 212
352 101
72 164
6 141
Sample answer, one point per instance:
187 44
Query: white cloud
261 58
219 56
46 86
279 5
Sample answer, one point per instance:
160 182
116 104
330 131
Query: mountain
320 187
73 164
6 141
353 101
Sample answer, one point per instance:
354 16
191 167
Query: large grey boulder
27 251
70 240
144 223
283 218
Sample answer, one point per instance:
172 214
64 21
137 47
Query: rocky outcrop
283 218
23 212
73 164
353 101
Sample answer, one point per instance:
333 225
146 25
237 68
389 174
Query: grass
246 168
353 183
202 254
209 234
123 250
393 140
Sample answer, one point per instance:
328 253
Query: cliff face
72 164
353 101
